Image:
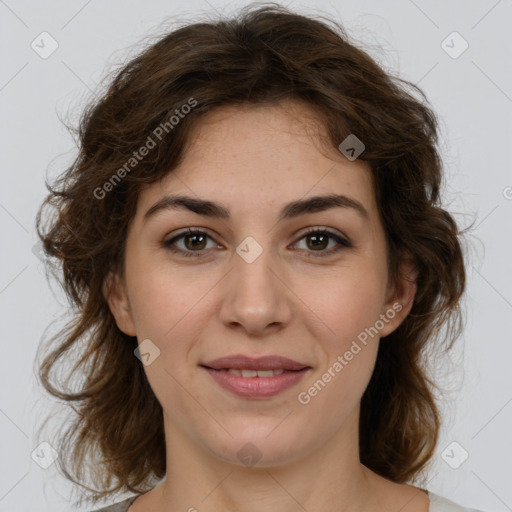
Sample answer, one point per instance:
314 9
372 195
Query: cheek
349 306
348 358
346 304
161 300
166 311
169 309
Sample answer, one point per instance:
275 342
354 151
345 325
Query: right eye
195 248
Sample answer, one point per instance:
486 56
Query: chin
255 448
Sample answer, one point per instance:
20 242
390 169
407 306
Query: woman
252 238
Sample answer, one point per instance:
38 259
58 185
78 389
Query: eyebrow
291 210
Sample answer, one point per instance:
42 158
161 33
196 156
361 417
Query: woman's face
254 284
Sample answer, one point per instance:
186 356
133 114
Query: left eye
319 239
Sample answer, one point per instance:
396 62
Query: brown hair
261 55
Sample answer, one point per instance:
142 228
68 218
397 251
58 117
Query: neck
329 478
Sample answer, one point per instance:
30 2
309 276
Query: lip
272 362
256 387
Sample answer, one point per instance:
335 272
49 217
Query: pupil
190 237
312 237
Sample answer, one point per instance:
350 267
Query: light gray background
472 95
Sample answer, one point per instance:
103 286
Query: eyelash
343 243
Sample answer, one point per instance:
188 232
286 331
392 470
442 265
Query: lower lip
256 387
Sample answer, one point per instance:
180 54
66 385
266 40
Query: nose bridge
253 263
255 296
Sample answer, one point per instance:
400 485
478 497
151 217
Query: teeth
265 373
255 373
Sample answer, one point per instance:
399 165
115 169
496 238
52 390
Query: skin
288 302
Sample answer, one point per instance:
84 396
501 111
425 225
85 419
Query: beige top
437 504
440 504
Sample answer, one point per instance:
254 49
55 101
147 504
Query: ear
114 291
400 297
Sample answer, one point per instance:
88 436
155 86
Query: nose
256 297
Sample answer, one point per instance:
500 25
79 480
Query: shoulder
441 504
120 506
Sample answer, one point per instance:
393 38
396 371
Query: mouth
264 363
239 372
259 377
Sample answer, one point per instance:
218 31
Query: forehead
259 157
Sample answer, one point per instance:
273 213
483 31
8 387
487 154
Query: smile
254 373
253 385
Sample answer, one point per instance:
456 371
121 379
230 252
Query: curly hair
259 56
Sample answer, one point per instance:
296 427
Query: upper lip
243 362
